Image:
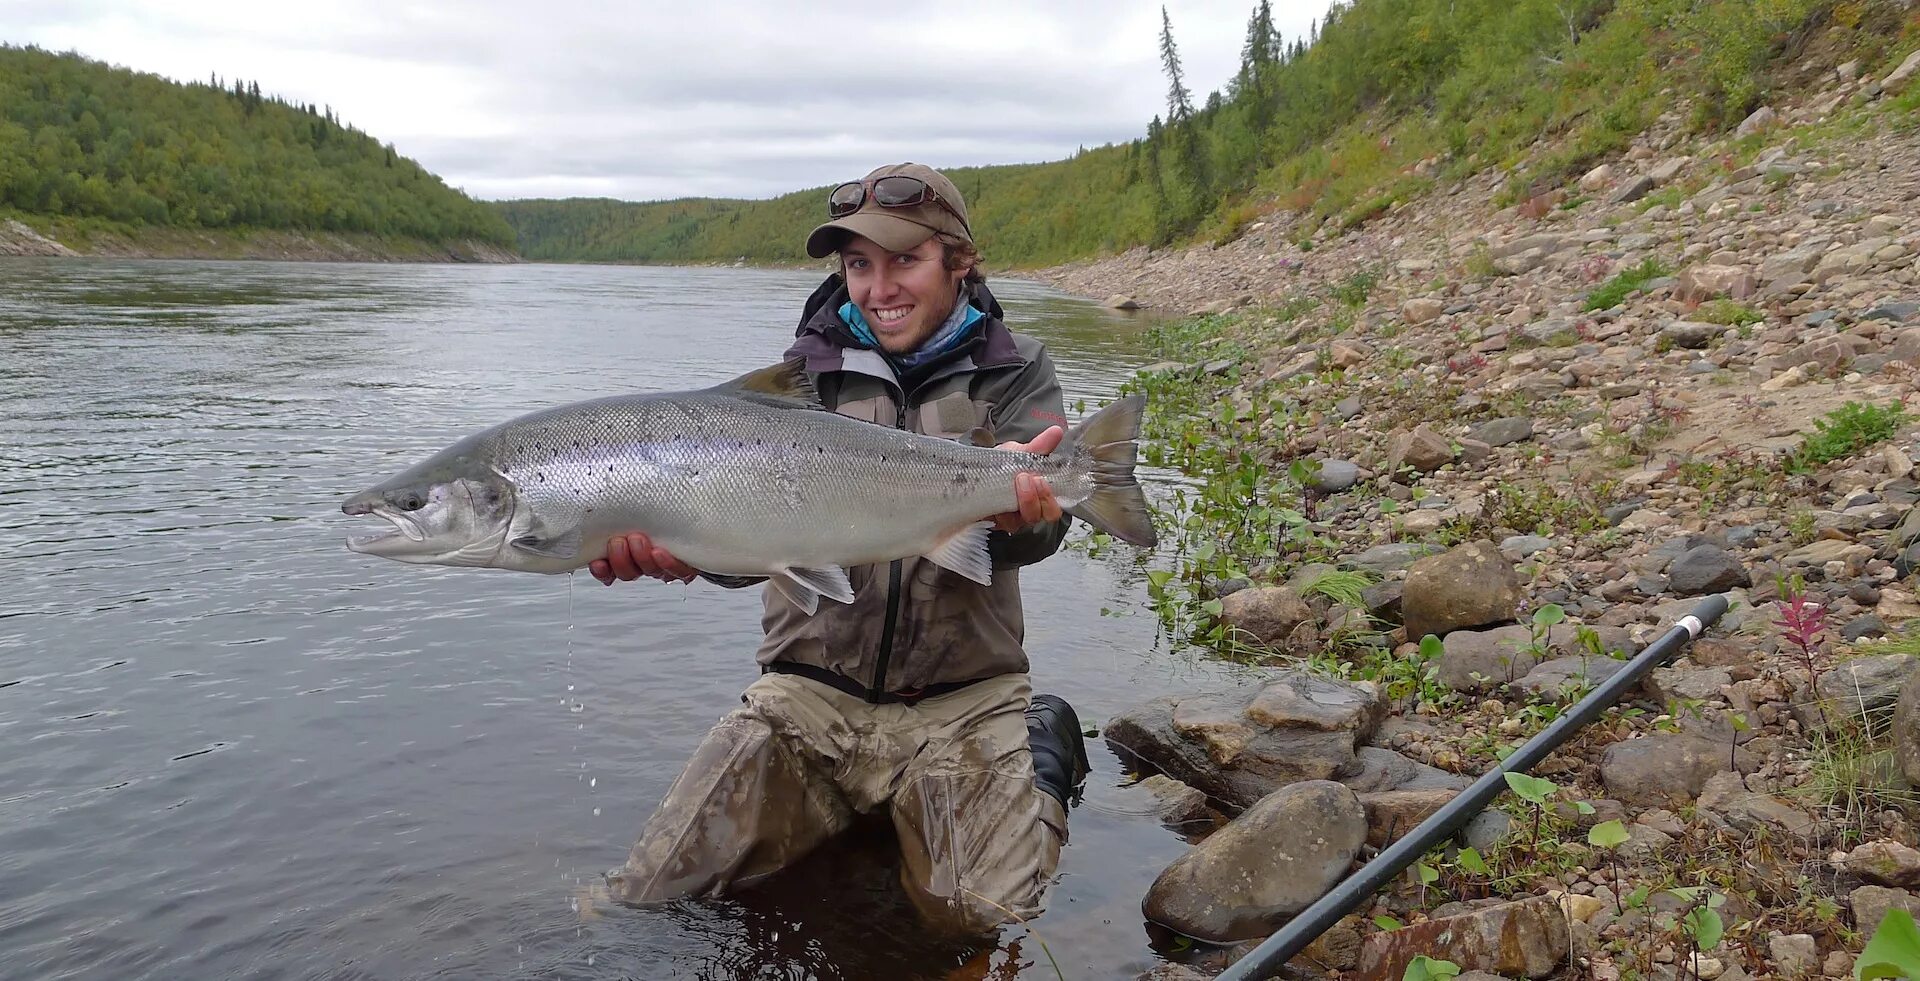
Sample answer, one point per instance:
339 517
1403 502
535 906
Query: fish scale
750 478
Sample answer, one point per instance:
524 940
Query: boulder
1706 569
1238 746
1727 801
1632 190
1391 557
1794 955
1422 310
1270 863
1264 615
1871 903
1120 301
1885 863
1760 121
1422 449
1469 586
1393 813
1665 768
1524 939
1334 476
1906 729
1502 432
1704 282
1168 800
1899 77
1482 660
1690 334
1563 673
1867 685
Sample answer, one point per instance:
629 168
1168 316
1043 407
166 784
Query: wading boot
1059 752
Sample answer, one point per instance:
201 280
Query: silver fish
749 478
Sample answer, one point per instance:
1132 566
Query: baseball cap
897 229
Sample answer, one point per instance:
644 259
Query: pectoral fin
565 545
804 586
965 552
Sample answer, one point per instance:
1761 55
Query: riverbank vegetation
85 142
1384 100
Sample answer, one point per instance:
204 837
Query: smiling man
913 698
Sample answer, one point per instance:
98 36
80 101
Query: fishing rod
1265 960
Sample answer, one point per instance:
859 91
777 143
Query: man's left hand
1037 503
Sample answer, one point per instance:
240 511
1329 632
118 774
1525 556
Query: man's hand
631 556
1037 504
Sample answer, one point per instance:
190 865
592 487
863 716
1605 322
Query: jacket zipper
893 590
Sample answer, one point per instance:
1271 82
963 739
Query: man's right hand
634 555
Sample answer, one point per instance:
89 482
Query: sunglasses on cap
888 192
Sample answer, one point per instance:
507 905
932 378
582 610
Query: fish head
438 518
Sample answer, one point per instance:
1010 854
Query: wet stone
1266 866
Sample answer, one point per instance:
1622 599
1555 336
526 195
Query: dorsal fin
786 382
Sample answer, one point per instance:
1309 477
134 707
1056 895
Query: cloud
649 100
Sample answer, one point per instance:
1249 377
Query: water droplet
596 812
589 960
573 903
595 782
576 707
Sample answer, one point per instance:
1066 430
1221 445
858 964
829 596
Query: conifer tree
1179 100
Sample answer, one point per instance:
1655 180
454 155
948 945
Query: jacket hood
823 335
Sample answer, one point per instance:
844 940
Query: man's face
905 296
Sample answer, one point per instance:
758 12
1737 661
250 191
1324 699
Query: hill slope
84 141
1388 100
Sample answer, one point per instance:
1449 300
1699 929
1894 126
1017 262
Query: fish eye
410 501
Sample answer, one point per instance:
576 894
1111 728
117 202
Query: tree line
1336 123
80 138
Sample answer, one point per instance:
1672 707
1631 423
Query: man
915 696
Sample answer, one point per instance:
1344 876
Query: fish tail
1109 440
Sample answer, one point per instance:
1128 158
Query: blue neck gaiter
952 333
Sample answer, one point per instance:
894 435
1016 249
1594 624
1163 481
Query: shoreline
60 238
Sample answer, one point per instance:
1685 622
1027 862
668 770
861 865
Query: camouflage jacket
912 623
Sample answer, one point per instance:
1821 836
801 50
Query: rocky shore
1538 433
19 239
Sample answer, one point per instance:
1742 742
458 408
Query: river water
231 748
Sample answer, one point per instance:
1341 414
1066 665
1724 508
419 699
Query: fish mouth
402 526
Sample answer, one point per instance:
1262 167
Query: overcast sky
647 100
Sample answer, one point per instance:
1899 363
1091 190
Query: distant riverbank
41 236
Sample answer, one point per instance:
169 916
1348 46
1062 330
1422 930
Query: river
231 748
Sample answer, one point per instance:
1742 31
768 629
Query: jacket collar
828 344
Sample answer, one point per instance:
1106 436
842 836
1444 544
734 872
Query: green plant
1609 836
1701 921
1535 791
1845 431
1354 290
1425 968
1343 586
1894 951
1728 313
1626 281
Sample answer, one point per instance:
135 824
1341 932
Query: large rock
1422 449
1704 282
1242 745
1550 678
1523 939
1727 801
1690 334
1171 802
1885 863
1469 586
1393 813
1706 569
1906 729
1760 121
1391 557
1665 768
1422 310
1264 615
1899 77
1502 432
1862 686
1871 903
1482 660
1256 873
